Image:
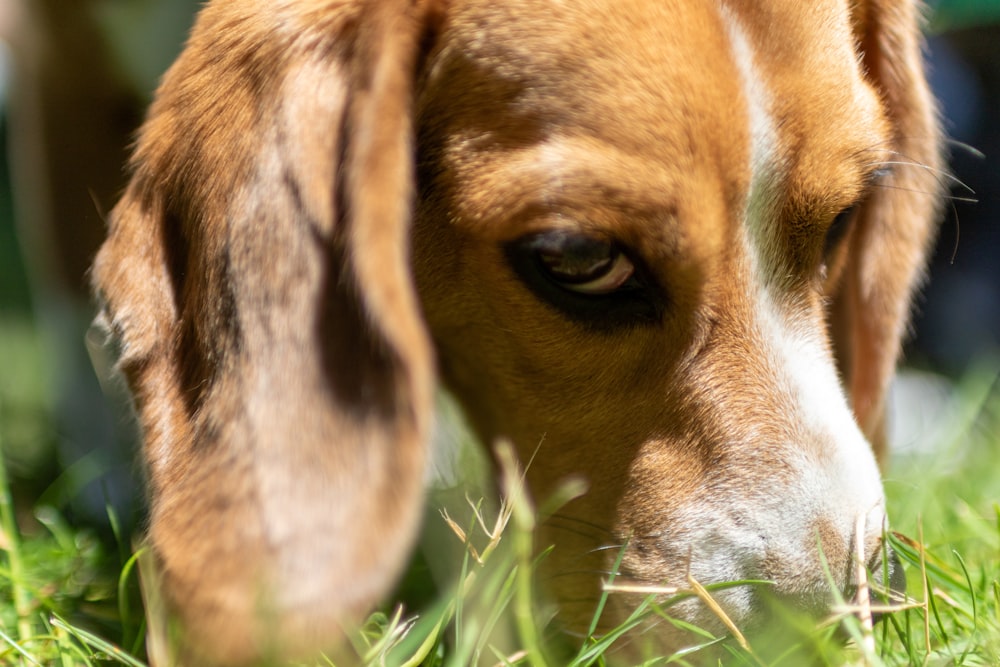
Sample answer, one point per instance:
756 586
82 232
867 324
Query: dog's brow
573 175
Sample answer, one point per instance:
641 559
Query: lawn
68 597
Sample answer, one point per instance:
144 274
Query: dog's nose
888 579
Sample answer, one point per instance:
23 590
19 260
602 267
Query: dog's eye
838 230
583 264
590 279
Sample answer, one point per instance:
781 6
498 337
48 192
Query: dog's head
665 247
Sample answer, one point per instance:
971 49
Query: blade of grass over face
606 591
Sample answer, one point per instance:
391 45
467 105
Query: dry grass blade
863 596
512 659
499 526
455 528
719 612
642 589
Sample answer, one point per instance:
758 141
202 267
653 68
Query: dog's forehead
666 82
629 71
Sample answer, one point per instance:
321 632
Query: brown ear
896 226
256 273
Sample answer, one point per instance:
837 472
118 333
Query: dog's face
628 264
668 248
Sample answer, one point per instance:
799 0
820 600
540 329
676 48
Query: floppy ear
257 276
896 226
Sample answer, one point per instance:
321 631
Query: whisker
971 150
888 145
964 200
944 174
958 234
952 198
572 573
597 530
607 547
942 177
575 531
574 634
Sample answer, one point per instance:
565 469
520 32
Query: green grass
66 598
945 503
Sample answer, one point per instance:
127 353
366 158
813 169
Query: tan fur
897 225
258 273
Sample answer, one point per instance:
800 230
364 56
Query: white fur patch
799 350
764 156
835 477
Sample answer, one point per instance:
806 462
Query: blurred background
75 76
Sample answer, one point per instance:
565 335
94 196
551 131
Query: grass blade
12 545
98 643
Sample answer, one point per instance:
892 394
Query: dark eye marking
588 278
838 230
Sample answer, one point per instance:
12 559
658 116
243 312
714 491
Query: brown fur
257 271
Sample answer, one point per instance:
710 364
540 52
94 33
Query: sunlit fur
315 235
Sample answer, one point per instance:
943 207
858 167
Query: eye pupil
588 277
579 264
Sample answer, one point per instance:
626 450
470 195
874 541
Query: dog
666 247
